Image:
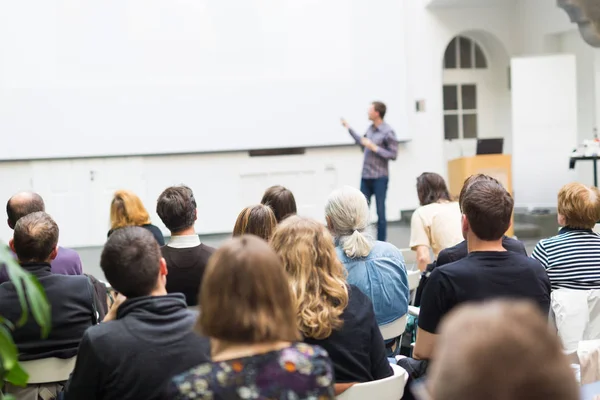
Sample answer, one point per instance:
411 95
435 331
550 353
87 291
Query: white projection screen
132 77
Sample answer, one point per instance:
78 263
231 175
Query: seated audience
375 267
185 255
67 261
146 338
281 201
488 272
572 258
258 220
330 313
70 297
127 209
435 224
254 349
499 351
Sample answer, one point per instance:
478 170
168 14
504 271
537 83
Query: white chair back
48 370
576 315
413 279
391 388
393 329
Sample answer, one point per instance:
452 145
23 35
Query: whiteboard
130 77
544 109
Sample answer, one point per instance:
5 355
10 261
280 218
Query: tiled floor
398 234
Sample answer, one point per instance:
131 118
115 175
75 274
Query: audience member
330 313
489 271
146 338
254 354
572 258
375 267
436 224
185 254
281 201
70 297
67 261
258 220
500 351
127 209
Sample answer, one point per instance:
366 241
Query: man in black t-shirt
489 271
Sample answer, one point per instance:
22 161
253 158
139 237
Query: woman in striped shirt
572 258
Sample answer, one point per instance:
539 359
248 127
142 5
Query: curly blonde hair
316 276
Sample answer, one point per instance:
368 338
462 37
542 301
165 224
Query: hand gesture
345 124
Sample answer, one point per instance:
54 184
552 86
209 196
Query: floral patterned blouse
297 372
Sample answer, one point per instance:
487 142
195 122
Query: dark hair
131 261
23 204
281 201
488 208
258 220
469 181
380 108
176 207
431 188
35 237
245 281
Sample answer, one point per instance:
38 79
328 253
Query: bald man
67 261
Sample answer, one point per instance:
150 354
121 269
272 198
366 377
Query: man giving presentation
379 145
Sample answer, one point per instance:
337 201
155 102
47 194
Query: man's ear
196 217
163 267
11 244
54 253
465 226
10 225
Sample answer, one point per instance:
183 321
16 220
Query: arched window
464 53
460 92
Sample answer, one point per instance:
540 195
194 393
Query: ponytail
356 245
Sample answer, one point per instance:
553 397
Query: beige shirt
437 226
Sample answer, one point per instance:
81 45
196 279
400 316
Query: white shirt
184 241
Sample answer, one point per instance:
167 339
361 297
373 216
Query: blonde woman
255 349
375 267
127 209
330 313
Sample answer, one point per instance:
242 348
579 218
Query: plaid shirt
375 165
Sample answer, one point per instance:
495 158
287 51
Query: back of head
315 274
176 207
347 212
501 350
127 209
431 188
131 261
35 237
488 208
258 220
245 281
22 204
380 107
579 205
281 200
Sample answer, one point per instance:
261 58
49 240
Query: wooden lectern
495 165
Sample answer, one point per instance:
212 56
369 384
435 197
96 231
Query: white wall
78 192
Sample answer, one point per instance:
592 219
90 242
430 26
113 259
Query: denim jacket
381 276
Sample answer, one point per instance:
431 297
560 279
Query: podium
495 165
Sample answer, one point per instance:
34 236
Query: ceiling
467 3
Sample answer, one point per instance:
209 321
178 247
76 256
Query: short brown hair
501 350
176 207
488 208
469 181
245 281
579 205
380 108
431 188
258 220
281 201
35 237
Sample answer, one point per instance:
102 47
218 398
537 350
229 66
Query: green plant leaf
8 350
17 376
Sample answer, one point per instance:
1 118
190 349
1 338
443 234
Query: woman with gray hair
376 268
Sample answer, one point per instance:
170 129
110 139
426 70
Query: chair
413 279
576 315
394 329
46 378
391 388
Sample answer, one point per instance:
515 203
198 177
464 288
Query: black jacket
70 299
136 355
